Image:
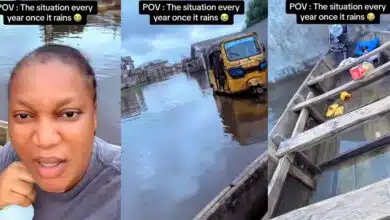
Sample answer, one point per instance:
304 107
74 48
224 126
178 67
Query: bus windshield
242 48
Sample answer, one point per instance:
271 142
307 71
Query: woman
54 161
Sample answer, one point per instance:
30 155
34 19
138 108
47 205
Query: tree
257 11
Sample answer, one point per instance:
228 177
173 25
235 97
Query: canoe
237 200
334 166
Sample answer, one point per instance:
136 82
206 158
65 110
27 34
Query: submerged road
182 146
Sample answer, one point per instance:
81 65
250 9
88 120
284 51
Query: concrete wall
261 29
293 47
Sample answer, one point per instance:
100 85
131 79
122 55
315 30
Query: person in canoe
54 161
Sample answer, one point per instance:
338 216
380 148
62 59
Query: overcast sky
144 42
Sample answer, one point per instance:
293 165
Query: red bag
357 72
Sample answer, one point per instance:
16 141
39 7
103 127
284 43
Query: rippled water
183 145
99 40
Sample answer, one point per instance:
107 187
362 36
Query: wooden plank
373 145
326 63
283 124
300 176
275 186
316 115
329 149
346 177
339 70
350 86
285 166
297 173
236 193
212 204
303 177
370 202
313 112
386 54
317 89
275 137
301 122
302 119
302 159
299 128
278 138
307 139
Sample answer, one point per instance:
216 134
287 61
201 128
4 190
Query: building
155 68
127 71
149 72
128 64
178 67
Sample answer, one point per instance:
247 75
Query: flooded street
182 145
100 41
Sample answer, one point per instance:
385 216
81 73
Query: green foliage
257 11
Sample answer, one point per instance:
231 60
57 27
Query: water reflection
99 40
184 145
133 102
243 118
106 23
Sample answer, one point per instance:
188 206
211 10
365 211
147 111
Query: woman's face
52 119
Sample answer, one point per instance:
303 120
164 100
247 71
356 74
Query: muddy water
182 146
280 93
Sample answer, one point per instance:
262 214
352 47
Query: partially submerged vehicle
237 65
324 165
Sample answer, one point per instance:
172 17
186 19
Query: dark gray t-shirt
96 197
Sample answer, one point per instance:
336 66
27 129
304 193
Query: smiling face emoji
224 17
370 16
77 17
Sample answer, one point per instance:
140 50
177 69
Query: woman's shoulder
108 154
